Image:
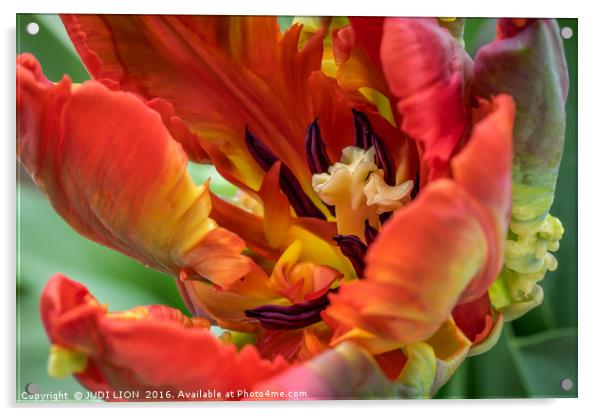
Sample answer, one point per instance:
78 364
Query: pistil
355 186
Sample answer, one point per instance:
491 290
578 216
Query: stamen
355 186
294 316
315 149
383 160
355 250
363 129
416 188
384 217
370 232
301 203
365 137
260 152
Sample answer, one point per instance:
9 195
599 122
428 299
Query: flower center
356 187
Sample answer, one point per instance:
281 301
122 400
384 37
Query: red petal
368 33
391 362
129 350
424 66
277 212
474 318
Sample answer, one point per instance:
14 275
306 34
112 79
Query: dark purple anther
416 187
303 206
370 232
355 250
366 138
260 152
384 217
294 316
363 129
383 160
315 149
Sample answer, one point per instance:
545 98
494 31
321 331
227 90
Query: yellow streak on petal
138 312
63 362
316 250
381 101
451 348
367 340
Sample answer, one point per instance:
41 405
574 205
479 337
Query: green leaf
495 373
51 47
218 184
285 22
457 387
561 286
545 360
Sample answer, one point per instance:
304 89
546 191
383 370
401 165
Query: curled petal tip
127 350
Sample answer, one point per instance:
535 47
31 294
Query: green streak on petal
531 67
218 184
455 26
502 300
418 375
351 372
240 339
381 101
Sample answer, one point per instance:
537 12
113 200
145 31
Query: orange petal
277 216
118 183
227 307
417 268
244 223
127 351
220 73
444 248
484 169
316 235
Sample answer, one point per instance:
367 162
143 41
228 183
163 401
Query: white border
590 151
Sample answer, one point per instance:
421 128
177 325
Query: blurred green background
533 356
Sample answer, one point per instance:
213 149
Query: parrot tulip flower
393 205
